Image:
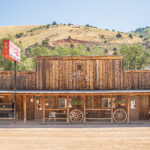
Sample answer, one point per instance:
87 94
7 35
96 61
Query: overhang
86 92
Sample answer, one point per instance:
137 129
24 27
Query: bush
105 51
69 37
118 35
71 45
130 36
115 53
47 26
141 36
102 36
45 42
114 49
88 49
19 35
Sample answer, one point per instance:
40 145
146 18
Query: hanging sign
11 51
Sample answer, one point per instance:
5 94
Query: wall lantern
31 99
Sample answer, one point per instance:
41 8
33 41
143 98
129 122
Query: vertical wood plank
128 119
44 109
25 108
68 108
84 109
111 109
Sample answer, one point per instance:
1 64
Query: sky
121 15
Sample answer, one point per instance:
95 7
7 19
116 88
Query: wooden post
111 109
128 101
68 108
25 108
44 109
84 109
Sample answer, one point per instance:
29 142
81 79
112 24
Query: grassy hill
61 35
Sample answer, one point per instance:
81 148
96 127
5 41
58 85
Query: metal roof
74 91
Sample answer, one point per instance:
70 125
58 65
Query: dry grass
133 138
60 32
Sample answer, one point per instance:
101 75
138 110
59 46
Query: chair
52 115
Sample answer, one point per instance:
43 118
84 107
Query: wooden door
30 108
134 108
38 108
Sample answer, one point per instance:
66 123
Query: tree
54 23
87 25
135 56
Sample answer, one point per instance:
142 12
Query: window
106 103
62 102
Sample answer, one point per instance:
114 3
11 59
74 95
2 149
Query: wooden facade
68 73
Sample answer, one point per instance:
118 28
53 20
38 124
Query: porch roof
144 91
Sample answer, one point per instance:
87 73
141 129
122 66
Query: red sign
11 51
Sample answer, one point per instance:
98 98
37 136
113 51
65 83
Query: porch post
43 109
84 109
25 108
128 102
68 108
111 109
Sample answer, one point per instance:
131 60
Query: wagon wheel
76 116
120 115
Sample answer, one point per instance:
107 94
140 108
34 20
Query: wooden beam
128 109
111 109
25 108
84 109
68 108
43 109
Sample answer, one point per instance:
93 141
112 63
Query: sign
11 51
133 104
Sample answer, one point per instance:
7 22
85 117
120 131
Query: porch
75 106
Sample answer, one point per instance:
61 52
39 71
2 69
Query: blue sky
121 15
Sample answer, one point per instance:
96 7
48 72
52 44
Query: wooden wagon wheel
76 116
120 115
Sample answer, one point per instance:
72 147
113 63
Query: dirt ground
116 138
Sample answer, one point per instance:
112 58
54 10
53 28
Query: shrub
47 26
118 35
88 49
71 45
69 37
19 35
102 36
141 36
130 36
114 49
115 53
105 51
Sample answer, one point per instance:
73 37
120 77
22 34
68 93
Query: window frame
108 101
60 99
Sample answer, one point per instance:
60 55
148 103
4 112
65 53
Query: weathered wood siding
25 80
137 80
72 73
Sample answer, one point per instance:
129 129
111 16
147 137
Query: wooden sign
11 51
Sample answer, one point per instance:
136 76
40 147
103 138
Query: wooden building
77 89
